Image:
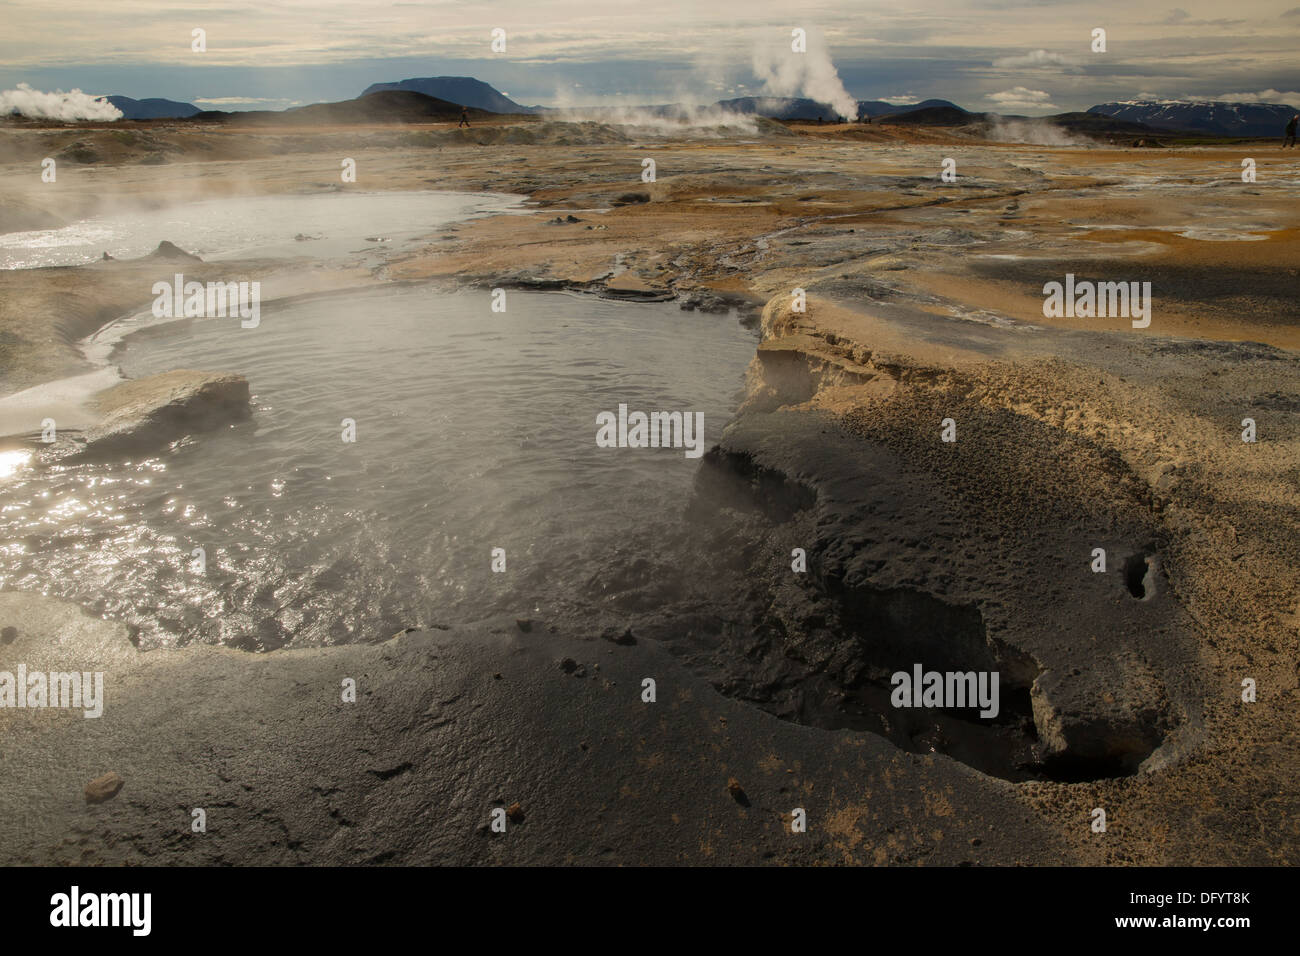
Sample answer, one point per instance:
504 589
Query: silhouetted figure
1289 139
464 117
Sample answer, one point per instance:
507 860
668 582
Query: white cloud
906 99
1020 98
1263 96
1038 59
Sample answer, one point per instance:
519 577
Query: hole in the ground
879 633
823 653
1137 572
898 630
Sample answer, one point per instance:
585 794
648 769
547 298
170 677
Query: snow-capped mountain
1227 119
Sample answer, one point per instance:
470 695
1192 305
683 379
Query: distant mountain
386 106
153 108
1216 118
460 90
797 108
780 107
874 108
1096 123
920 115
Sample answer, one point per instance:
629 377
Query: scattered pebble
104 788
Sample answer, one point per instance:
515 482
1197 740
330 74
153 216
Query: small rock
737 792
169 250
104 788
515 813
625 639
524 624
8 635
570 666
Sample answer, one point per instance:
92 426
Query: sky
1010 56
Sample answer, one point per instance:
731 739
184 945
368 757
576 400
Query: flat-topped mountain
461 90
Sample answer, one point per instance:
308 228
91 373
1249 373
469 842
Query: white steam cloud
811 74
75 105
1033 133
684 118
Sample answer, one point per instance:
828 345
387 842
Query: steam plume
75 105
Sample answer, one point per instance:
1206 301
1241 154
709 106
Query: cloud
1020 98
1038 59
243 100
1178 17
1263 96
74 105
907 99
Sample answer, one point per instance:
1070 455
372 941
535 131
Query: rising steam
811 74
1033 133
75 105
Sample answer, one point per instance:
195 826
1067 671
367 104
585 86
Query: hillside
1216 118
152 108
387 106
929 116
460 90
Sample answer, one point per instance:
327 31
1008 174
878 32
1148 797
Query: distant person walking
1289 139
464 117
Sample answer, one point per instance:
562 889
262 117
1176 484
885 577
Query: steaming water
475 430
337 224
